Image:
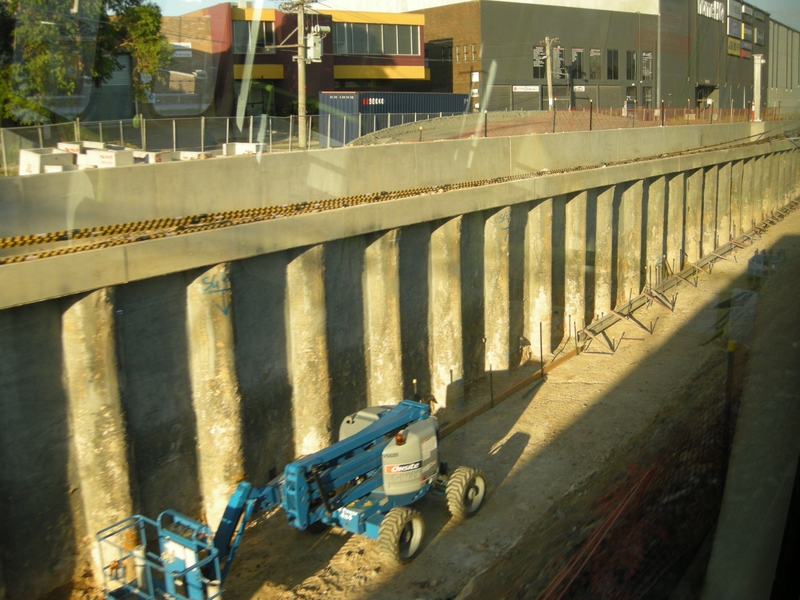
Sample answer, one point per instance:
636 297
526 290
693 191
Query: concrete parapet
215 393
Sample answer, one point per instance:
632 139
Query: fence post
359 126
41 141
662 113
174 137
77 129
344 130
554 115
227 130
121 133
328 140
269 124
485 123
202 134
3 144
591 112
250 139
415 117
711 118
100 125
143 132
290 133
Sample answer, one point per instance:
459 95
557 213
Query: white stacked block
33 160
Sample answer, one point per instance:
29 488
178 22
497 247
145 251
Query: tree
61 47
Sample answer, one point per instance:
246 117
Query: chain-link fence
281 134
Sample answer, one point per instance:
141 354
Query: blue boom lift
386 459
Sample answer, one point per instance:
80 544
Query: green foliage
61 47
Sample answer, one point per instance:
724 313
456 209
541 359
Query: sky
785 11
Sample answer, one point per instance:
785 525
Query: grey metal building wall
782 71
510 32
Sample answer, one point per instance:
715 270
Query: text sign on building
735 9
711 9
758 34
747 45
747 10
747 32
181 49
758 15
734 28
733 46
647 66
746 54
525 88
579 88
538 56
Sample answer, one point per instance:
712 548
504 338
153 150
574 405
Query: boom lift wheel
465 490
400 534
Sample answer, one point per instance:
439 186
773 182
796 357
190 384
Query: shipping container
345 116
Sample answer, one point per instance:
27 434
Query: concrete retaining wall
272 332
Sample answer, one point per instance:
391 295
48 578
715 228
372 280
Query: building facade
212 68
687 53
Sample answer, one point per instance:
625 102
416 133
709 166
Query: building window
389 40
359 39
647 66
578 68
264 37
595 63
374 39
557 54
612 64
473 52
630 65
457 56
363 38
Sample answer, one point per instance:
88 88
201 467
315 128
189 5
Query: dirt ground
540 450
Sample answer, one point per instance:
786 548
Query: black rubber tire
400 535
465 491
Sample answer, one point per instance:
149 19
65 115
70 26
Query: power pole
549 58
301 73
758 61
